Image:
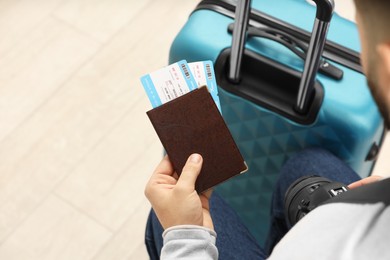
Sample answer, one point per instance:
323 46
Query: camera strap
367 194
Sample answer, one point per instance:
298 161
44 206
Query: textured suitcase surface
348 123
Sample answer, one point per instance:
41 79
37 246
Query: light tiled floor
76 146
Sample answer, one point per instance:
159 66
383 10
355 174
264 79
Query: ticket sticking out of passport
179 78
168 83
203 72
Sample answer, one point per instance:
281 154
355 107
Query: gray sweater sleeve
189 242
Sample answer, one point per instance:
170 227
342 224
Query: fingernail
195 158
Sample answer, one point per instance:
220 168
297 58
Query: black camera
308 192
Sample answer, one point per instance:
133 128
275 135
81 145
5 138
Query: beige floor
76 146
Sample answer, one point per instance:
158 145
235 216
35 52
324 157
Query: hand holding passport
175 201
191 123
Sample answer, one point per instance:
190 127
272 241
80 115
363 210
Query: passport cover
192 124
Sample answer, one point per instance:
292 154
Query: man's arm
183 213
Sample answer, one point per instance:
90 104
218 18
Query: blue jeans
234 240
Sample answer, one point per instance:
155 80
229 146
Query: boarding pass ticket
179 78
203 72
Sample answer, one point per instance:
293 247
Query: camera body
308 192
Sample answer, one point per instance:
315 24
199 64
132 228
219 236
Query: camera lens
308 192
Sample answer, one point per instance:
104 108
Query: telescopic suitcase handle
238 40
316 46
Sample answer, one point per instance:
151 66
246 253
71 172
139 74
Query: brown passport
192 124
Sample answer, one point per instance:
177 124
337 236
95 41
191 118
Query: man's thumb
190 171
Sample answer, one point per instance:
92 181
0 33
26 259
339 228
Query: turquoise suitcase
260 106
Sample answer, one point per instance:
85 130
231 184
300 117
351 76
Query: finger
207 193
164 167
164 179
190 171
151 191
166 186
205 197
205 201
365 181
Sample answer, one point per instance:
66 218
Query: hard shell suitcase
259 91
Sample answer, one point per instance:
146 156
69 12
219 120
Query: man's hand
175 200
365 181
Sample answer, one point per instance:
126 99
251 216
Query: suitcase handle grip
293 44
324 10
